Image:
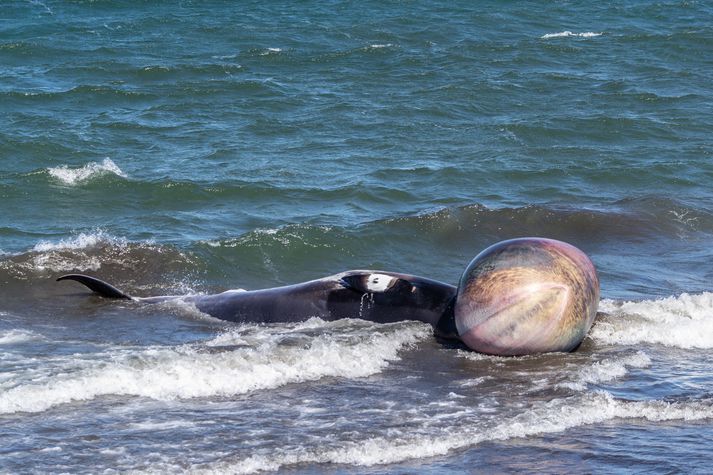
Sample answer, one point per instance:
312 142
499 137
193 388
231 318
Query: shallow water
176 148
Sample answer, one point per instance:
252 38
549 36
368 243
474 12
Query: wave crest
568 34
554 416
685 321
606 370
90 171
15 336
124 261
240 363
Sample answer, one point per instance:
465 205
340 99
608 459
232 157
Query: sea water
193 147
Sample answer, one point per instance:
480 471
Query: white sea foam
226 56
113 451
51 449
54 256
81 241
55 263
150 425
554 416
81 252
468 383
685 321
287 236
15 336
92 170
166 373
567 34
606 370
269 51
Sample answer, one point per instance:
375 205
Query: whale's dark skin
376 296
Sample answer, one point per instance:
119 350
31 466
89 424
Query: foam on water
270 359
92 170
685 321
81 241
569 373
606 370
567 34
69 254
550 417
407 127
11 337
86 251
52 263
270 51
150 425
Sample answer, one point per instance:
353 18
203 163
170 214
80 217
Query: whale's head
390 296
525 296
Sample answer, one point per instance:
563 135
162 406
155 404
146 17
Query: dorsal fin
96 285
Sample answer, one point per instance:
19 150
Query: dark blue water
180 147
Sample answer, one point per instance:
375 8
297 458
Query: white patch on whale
379 282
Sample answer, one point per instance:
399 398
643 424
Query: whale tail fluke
96 285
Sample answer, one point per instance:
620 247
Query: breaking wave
90 171
606 370
81 241
568 34
685 321
553 416
239 362
15 336
96 251
83 252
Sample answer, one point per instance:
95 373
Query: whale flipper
96 285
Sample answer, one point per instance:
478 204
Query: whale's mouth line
516 298
563 296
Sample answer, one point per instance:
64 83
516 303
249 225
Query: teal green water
175 147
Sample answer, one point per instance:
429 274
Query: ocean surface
192 147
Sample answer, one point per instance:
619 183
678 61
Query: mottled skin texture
525 296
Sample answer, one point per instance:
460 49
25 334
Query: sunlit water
182 147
